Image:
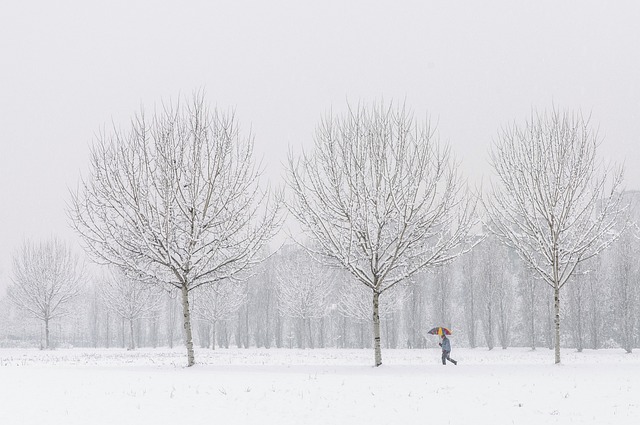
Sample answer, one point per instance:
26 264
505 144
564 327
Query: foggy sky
71 68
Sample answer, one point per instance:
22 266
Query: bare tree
353 301
528 291
303 290
265 308
218 302
175 201
442 296
95 314
130 299
354 306
504 308
625 288
595 312
381 198
496 291
490 273
172 314
551 204
471 295
416 313
46 277
576 308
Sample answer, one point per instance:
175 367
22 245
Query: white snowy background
286 387
69 69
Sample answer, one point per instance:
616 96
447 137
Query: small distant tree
529 297
596 292
265 308
353 303
504 309
415 312
381 198
577 309
550 202
47 276
304 288
216 303
470 282
625 288
491 271
172 316
130 299
442 296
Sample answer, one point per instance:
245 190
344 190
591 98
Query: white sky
68 68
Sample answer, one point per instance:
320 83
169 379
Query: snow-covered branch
381 197
553 202
176 200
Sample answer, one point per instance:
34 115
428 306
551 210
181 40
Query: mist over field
248 211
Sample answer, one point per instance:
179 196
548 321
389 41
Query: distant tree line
394 241
486 307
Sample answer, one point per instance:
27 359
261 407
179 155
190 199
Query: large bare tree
46 277
553 201
176 200
381 198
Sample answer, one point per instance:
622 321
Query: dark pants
445 357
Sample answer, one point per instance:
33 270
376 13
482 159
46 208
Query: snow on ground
321 386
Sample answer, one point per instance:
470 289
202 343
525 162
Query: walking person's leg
445 356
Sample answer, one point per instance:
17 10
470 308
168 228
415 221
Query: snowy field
322 386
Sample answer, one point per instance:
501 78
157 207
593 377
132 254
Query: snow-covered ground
321 386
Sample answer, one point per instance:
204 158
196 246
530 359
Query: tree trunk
343 341
488 325
309 333
580 338
504 332
533 316
278 334
471 321
132 344
154 335
550 325
387 334
376 329
46 334
107 330
213 335
171 322
139 332
246 322
556 307
267 336
187 326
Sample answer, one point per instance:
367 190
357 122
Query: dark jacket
445 344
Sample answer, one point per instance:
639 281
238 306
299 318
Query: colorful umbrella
439 331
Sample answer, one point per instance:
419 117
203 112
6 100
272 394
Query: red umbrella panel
440 331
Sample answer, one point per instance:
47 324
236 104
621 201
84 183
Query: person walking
446 350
